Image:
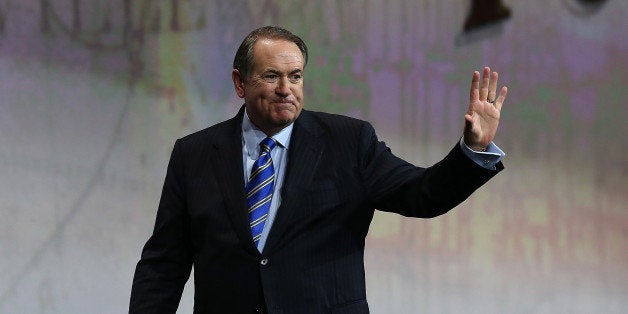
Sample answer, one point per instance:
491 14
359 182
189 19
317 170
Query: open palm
485 106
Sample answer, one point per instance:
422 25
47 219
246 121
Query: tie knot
267 144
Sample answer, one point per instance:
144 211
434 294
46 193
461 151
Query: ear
238 83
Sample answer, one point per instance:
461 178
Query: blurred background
93 95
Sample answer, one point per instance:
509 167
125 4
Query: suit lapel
306 149
227 161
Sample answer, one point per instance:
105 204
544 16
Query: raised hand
485 106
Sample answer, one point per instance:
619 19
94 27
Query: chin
286 118
283 122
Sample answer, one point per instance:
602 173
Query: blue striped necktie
259 189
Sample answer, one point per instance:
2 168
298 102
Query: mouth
283 100
284 104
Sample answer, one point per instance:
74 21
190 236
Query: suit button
264 262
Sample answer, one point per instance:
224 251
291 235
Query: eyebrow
279 72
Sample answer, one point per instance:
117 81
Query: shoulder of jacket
333 118
217 133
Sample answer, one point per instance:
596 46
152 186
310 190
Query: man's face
273 90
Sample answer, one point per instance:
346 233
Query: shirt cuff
487 159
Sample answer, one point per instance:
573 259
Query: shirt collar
252 136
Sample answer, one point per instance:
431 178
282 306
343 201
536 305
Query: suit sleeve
166 262
395 185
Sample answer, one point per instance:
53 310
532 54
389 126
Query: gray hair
243 61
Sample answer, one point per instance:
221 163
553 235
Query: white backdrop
93 96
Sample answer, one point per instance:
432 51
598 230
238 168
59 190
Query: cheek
260 100
298 93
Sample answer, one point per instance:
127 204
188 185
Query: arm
166 260
427 192
394 185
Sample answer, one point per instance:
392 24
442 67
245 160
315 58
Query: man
280 228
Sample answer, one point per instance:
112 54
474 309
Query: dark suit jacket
313 262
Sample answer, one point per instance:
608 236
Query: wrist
475 147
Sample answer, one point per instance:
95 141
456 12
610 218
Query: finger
475 82
484 85
492 87
502 97
468 117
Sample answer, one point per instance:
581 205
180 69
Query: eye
270 77
295 78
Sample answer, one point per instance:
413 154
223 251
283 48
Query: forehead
276 53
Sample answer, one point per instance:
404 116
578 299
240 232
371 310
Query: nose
283 87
